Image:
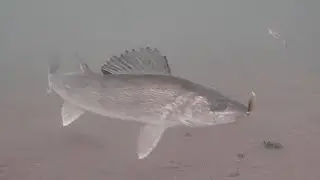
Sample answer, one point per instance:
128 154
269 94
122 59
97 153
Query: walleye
138 86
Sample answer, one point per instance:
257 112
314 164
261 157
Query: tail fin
54 65
251 102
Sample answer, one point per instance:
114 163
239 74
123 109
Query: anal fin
70 113
149 137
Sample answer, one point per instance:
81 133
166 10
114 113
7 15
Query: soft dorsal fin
144 61
83 66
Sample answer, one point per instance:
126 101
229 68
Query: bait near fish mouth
138 86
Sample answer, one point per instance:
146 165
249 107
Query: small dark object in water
240 155
272 145
187 134
171 161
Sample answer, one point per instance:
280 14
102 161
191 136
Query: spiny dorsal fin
144 61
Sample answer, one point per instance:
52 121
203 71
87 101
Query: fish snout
241 109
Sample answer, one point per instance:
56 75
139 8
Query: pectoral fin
70 113
149 137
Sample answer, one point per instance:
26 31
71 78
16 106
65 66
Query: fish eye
219 107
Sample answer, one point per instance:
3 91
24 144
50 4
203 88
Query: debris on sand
272 145
240 155
234 174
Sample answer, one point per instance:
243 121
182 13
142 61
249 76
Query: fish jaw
226 117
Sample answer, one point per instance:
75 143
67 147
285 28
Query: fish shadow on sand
176 166
79 139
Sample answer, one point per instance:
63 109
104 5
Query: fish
138 86
277 36
273 33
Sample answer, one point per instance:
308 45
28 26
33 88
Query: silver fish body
156 99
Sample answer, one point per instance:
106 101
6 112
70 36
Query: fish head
228 111
218 111
231 112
